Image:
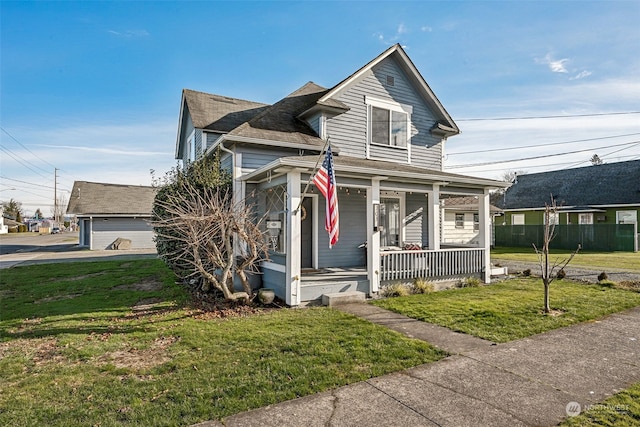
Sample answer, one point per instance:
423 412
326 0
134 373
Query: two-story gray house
387 130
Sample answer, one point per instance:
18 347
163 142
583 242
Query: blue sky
93 88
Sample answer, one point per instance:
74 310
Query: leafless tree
547 267
206 223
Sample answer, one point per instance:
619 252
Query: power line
537 157
542 145
21 162
563 116
25 182
23 146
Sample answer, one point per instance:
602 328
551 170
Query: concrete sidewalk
73 254
529 382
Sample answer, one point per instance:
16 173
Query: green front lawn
605 261
112 343
512 309
620 410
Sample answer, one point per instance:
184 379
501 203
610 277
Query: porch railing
399 265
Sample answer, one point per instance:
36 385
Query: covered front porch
390 228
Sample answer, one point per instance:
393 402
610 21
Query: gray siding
416 221
197 140
186 129
314 122
253 159
275 280
211 138
348 131
353 232
107 230
226 163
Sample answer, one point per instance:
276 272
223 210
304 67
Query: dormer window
389 123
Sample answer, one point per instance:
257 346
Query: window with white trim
585 218
517 219
554 218
626 217
459 220
389 122
476 222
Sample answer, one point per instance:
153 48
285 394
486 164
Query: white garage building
107 212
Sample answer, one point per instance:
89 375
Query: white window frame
554 218
476 221
633 213
401 196
391 106
585 218
455 220
513 219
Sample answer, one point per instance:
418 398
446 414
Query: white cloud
400 30
426 29
555 65
581 75
114 151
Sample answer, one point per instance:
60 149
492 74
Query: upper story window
389 122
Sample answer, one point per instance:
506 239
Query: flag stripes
325 180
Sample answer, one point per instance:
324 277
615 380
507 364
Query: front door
306 234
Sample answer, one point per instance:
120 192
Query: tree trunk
546 296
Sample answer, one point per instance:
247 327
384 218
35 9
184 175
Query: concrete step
339 298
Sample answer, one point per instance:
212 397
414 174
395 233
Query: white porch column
293 239
373 238
433 212
484 216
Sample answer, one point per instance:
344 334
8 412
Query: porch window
476 222
276 220
389 222
459 220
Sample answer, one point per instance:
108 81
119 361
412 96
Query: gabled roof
597 185
396 51
110 199
284 121
279 122
219 113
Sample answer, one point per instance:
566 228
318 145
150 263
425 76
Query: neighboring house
461 220
599 194
4 228
106 212
387 130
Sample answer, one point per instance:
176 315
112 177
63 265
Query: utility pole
55 197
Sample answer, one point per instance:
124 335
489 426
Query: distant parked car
55 230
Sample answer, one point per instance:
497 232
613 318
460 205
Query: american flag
325 180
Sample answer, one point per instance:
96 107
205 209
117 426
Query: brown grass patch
57 298
133 358
38 350
149 285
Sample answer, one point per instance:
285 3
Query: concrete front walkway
529 382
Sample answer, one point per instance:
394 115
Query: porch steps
340 298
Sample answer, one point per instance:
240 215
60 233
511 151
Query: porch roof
390 171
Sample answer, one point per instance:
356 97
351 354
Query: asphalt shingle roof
110 199
280 121
219 113
606 184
